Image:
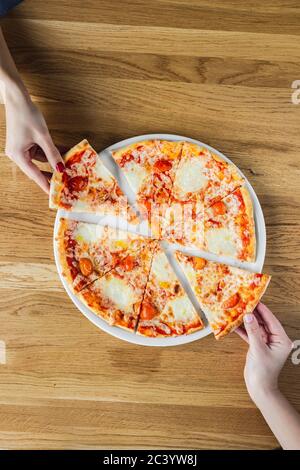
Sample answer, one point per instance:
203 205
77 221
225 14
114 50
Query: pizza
87 185
203 176
188 195
116 297
166 309
229 227
225 293
87 251
149 167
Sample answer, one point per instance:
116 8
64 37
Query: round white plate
132 337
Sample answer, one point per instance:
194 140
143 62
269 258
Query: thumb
253 331
52 154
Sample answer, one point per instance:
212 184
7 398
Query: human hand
269 347
28 138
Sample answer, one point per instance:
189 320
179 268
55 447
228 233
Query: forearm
282 418
10 80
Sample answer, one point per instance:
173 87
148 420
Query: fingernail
60 167
248 318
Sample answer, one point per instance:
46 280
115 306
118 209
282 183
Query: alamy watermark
296 92
2 352
296 352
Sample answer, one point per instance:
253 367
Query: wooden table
218 71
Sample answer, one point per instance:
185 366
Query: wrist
13 90
263 395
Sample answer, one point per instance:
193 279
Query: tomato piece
199 263
127 263
86 266
162 165
76 158
148 311
219 208
78 183
119 191
232 301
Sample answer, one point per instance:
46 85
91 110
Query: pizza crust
249 211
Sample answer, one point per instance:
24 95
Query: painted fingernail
60 167
248 318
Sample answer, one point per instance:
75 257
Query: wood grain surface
218 71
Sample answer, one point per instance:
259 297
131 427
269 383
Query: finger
52 154
272 323
36 175
242 333
253 331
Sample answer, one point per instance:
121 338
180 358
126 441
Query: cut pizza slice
166 309
229 227
116 297
203 176
87 185
149 167
87 251
225 293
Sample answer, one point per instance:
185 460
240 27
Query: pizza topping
219 208
78 183
232 301
199 263
162 165
86 266
148 311
128 263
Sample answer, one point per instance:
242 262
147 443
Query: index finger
31 170
272 323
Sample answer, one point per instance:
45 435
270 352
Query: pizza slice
229 227
117 296
149 167
203 176
87 185
225 293
166 309
87 251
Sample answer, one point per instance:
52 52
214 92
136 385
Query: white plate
126 335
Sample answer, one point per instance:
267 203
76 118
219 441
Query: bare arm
269 347
27 135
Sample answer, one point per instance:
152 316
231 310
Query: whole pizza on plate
187 195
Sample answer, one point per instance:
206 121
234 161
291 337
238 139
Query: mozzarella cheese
90 233
118 292
190 176
221 241
182 309
102 172
136 175
161 268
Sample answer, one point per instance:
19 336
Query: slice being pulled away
225 293
149 167
117 296
87 251
229 227
166 309
87 185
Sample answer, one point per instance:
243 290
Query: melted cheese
161 268
182 309
221 241
118 292
190 176
136 175
90 233
102 172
